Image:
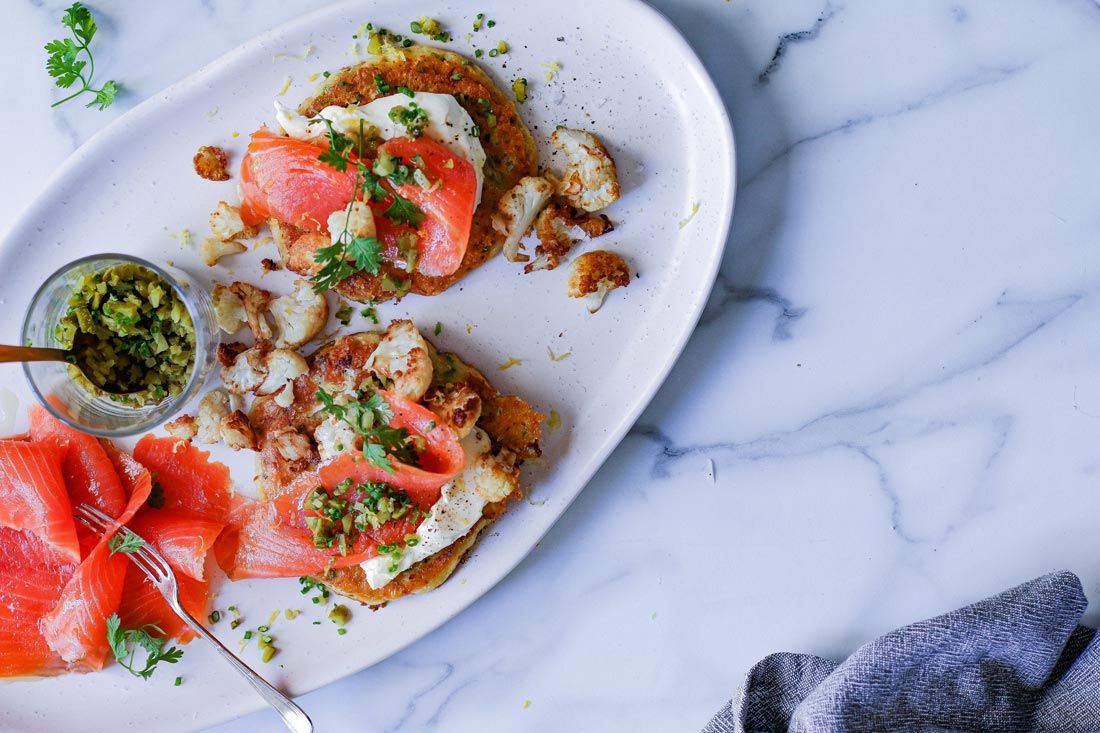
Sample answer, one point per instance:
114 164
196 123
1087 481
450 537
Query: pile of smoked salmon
59 582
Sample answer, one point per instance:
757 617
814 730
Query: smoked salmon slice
183 540
76 627
282 178
32 576
89 474
34 496
143 604
448 204
189 480
269 539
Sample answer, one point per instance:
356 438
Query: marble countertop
890 408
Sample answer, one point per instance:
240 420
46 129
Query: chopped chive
341 631
269 652
491 23
178 682
215 617
438 328
248 634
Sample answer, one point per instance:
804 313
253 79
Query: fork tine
95 528
99 523
147 559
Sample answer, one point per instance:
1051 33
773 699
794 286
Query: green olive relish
131 336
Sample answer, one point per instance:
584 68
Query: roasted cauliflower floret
590 181
213 249
299 316
262 370
595 274
283 367
495 476
457 405
237 432
291 445
516 211
255 301
227 225
213 406
211 163
333 438
228 308
559 227
184 427
402 358
356 218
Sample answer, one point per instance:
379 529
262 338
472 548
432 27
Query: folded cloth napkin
1015 662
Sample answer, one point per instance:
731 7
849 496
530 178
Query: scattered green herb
343 315
438 328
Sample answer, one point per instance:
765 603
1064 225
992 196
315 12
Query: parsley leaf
403 211
370 418
125 542
366 252
66 69
150 638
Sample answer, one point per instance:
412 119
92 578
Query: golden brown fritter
510 154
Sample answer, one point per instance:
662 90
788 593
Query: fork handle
295 718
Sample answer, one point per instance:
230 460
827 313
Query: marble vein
872 417
727 293
787 39
984 77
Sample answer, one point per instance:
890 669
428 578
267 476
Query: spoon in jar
9 354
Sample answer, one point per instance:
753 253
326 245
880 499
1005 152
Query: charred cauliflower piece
333 438
212 408
402 358
496 476
184 427
457 405
590 181
516 211
291 445
213 249
299 316
595 274
240 303
227 225
558 228
211 163
237 432
262 370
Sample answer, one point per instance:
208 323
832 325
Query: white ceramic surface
131 186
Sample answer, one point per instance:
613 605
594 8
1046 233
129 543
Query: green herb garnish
125 542
370 418
63 65
126 642
343 315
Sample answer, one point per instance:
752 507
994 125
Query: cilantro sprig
65 66
150 638
370 418
350 254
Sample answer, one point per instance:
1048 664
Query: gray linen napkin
1015 662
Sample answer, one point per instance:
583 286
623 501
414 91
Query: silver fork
152 563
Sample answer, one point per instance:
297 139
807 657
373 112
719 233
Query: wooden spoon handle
30 353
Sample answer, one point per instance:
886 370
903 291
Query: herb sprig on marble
64 64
